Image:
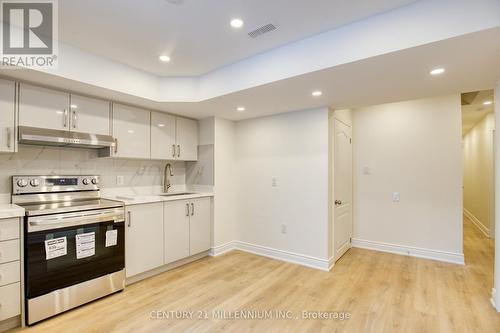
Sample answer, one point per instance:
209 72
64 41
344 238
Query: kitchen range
74 243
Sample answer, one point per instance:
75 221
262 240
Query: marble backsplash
141 175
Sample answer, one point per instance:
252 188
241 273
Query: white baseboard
331 263
455 258
294 258
221 249
485 230
493 299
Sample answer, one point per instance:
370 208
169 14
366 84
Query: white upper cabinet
132 131
7 116
44 108
163 144
187 139
89 115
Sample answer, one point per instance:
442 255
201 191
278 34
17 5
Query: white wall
411 147
226 180
292 148
478 157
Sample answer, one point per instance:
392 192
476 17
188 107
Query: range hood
58 138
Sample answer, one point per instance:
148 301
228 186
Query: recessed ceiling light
236 23
488 103
73 106
161 125
317 93
240 109
164 58
437 71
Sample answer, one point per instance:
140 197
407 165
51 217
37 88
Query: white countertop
10 210
128 199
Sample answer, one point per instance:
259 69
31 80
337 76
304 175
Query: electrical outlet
284 228
120 180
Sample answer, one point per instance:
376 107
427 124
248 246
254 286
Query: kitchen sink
176 193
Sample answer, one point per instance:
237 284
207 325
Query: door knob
338 202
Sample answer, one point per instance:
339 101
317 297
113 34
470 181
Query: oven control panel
47 184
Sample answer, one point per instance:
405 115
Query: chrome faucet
167 172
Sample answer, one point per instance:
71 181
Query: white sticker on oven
55 247
85 245
111 237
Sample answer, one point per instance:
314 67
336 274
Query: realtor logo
29 33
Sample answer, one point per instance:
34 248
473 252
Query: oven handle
56 221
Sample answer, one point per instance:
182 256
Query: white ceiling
392 77
196 33
474 110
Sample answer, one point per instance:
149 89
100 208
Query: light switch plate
396 196
120 180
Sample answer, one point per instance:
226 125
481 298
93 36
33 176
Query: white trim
455 258
486 231
221 249
331 262
294 258
493 298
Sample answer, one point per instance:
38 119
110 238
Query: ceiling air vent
262 30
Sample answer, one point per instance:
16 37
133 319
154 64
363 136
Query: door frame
495 297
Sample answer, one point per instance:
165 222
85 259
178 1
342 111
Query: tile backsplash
36 160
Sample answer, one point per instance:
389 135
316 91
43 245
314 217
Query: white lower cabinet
10 268
10 300
143 238
176 229
162 233
187 228
199 226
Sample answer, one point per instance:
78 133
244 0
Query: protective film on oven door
63 257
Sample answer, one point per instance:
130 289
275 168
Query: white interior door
342 188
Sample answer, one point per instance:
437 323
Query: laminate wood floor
381 293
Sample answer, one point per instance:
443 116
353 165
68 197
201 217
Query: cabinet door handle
129 223
9 137
187 209
116 145
173 150
65 120
178 150
192 209
74 118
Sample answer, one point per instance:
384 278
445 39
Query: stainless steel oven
74 243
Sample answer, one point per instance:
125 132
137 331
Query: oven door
62 250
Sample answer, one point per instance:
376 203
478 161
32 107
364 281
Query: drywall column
496 290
